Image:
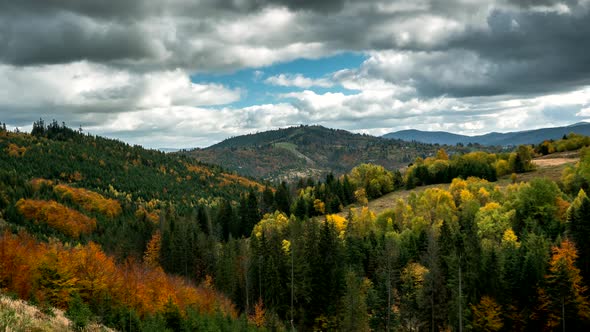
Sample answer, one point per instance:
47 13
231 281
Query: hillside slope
109 165
17 315
93 217
501 139
310 151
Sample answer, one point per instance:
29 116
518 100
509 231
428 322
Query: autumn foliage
564 294
60 217
199 170
258 317
487 315
14 150
152 252
38 183
230 179
53 272
89 200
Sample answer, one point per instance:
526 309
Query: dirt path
554 161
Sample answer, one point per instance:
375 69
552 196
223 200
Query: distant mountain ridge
294 152
534 136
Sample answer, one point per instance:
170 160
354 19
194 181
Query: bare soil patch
554 161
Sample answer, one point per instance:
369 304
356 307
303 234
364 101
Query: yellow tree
487 315
152 252
563 299
441 154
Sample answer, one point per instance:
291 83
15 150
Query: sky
189 73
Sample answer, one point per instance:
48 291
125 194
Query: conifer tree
579 229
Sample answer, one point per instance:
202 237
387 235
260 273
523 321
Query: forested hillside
140 240
79 216
315 151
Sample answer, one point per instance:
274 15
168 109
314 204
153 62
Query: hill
61 154
113 225
310 151
500 139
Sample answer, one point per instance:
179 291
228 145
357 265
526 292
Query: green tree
227 220
268 200
283 198
356 317
78 312
536 208
412 284
579 229
249 213
375 179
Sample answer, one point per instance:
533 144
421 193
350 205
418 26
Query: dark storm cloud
530 52
66 38
311 5
513 52
537 3
459 48
323 6
124 9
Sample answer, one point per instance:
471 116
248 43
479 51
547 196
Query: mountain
314 151
502 139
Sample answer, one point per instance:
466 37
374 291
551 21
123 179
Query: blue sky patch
256 92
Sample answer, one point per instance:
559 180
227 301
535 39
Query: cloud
63 38
584 112
299 81
123 68
512 37
90 94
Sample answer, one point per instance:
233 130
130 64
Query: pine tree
203 219
283 198
434 299
226 220
355 317
268 200
579 228
78 312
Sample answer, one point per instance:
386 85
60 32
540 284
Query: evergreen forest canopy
141 240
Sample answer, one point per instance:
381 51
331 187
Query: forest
136 239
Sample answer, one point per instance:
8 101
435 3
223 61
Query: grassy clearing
388 201
287 146
18 315
550 167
